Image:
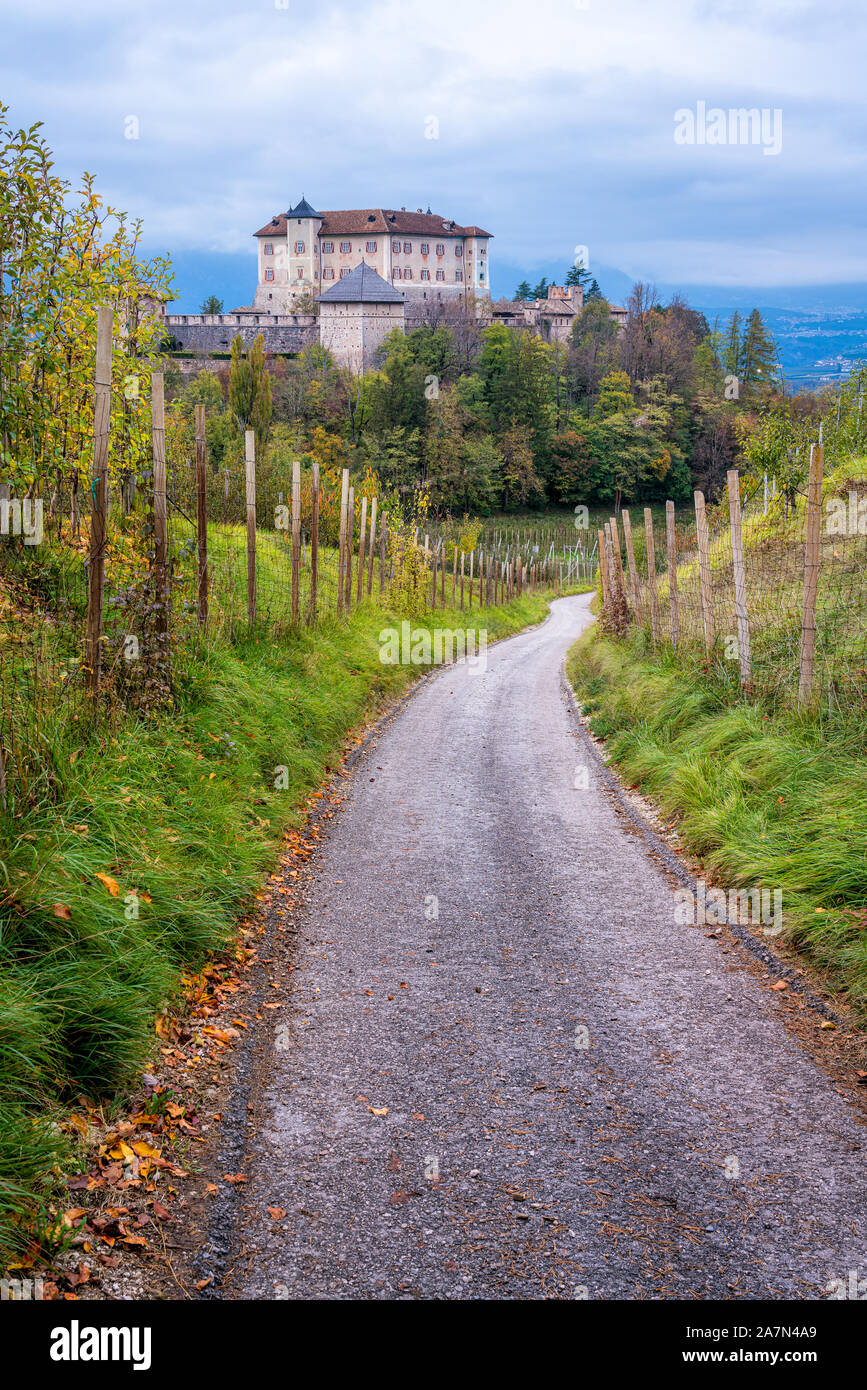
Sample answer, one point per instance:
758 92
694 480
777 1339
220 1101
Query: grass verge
763 799
136 862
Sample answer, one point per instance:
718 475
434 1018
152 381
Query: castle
347 279
426 257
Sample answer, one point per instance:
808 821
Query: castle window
327 247
407 274
441 275
300 273
407 248
481 277
328 273
299 248
269 275
425 275
371 245
459 275
441 250
459 250
344 271
395 274
484 251
425 248
395 246
345 246
269 249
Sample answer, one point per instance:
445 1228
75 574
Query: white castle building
425 257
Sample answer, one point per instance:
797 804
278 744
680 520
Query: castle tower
303 224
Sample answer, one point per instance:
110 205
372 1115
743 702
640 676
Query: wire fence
772 594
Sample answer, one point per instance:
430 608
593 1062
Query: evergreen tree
593 291
541 290
759 361
212 305
577 275
732 346
524 291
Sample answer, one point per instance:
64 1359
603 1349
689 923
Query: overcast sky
556 122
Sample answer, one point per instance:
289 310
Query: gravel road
510 1073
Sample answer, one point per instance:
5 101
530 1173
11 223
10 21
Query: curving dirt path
578 1097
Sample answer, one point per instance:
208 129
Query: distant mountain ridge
821 330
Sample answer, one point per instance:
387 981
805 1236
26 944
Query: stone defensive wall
214 332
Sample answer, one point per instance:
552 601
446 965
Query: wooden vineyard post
371 547
433 567
472 558
671 547
651 573
202 513
704 571
463 557
341 550
250 478
454 574
99 495
603 570
811 574
350 549
740 578
633 571
382 543
362 551
161 577
618 559
296 540
314 543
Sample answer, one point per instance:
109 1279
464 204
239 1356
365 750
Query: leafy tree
521 483
250 390
204 390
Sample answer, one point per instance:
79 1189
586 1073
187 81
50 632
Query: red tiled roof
361 221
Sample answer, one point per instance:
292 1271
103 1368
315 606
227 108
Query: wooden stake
382 542
811 574
202 512
651 573
734 491
704 571
371 547
362 535
618 559
671 547
296 540
603 570
633 570
350 548
250 471
99 495
463 557
314 544
341 552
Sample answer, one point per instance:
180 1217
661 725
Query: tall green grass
182 813
765 799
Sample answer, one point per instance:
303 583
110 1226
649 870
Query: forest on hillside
493 419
